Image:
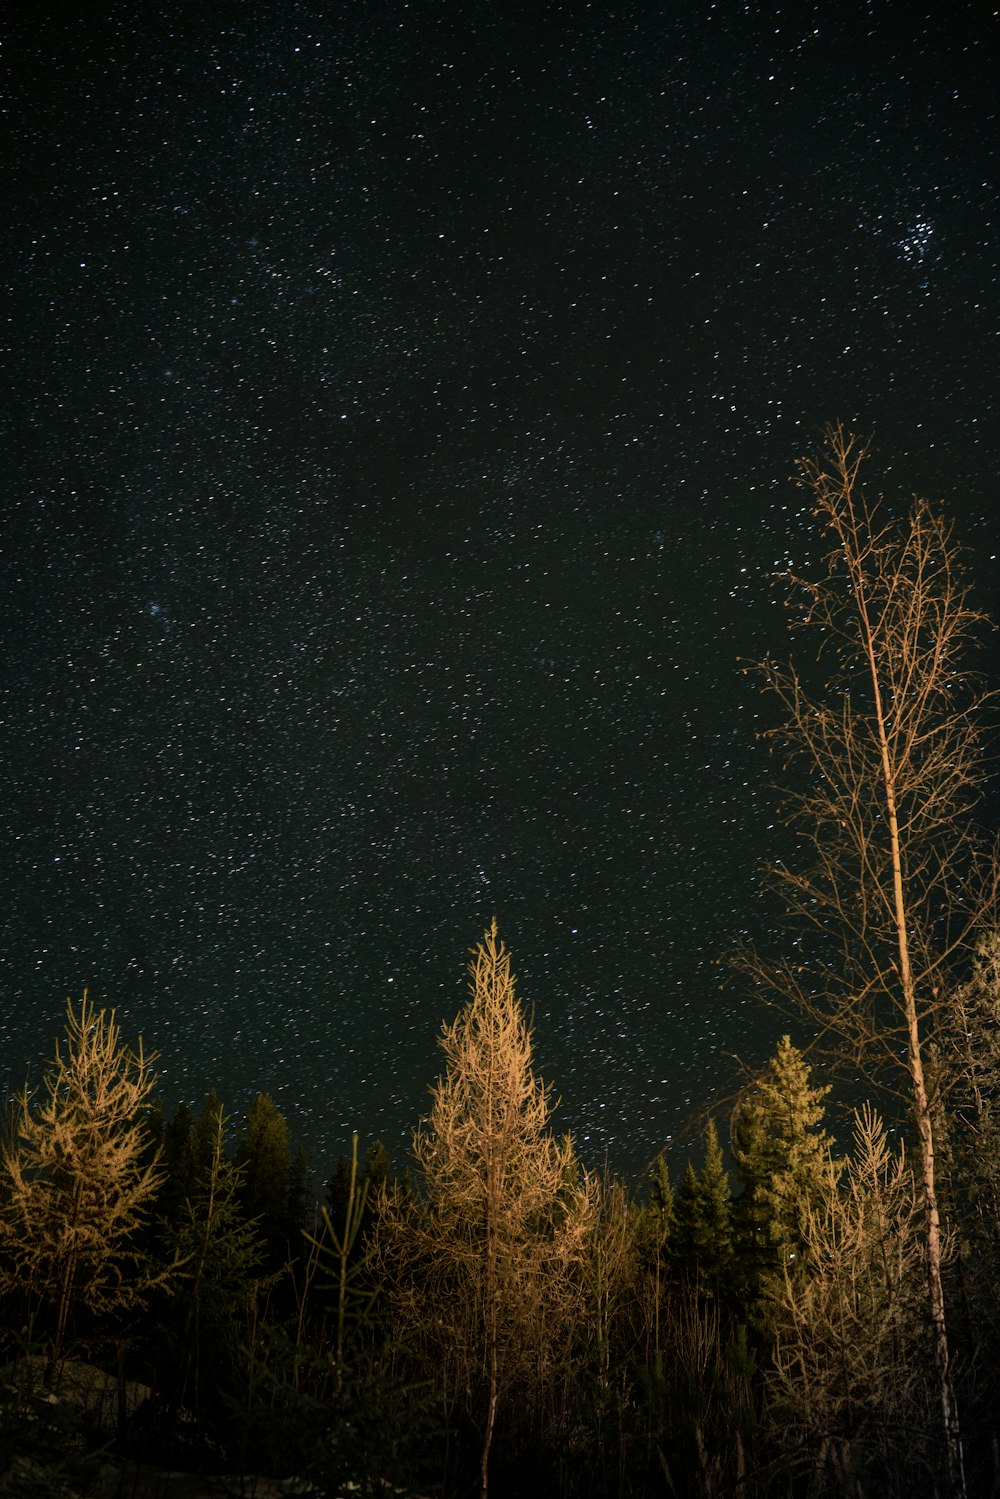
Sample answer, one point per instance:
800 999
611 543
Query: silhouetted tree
374 1178
213 1322
656 1234
264 1159
703 1235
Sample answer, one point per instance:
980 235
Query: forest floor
128 1480
87 1399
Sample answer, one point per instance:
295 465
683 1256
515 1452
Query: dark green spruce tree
783 1157
703 1239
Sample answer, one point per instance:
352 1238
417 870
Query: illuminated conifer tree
77 1178
476 1267
783 1156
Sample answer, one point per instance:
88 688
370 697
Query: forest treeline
498 1312
792 1314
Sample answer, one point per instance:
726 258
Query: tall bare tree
77 1178
884 748
474 1267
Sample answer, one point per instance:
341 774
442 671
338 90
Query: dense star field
401 404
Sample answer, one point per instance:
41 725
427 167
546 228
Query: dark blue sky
401 409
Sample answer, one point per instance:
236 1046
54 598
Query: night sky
401 404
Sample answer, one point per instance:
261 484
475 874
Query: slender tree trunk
62 1318
491 1407
191 1335
885 810
493 1207
494 1204
122 1390
921 1105
65 1294
344 1248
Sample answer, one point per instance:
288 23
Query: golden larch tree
479 1264
76 1177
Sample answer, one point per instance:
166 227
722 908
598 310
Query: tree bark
921 1105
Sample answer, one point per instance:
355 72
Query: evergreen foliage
264 1159
212 1324
375 1179
477 1266
713 1230
783 1157
333 1402
77 1180
622 1358
703 1220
